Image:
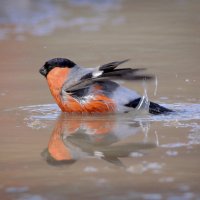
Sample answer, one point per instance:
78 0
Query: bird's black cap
55 62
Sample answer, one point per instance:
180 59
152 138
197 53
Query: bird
77 89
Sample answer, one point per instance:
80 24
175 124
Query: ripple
37 116
41 112
183 112
186 115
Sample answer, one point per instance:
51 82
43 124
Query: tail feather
154 108
157 109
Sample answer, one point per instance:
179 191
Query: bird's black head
55 62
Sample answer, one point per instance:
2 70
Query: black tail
154 108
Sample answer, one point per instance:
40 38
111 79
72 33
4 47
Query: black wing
109 72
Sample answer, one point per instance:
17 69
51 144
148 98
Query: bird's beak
43 71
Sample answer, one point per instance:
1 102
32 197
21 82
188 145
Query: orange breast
55 78
98 104
56 147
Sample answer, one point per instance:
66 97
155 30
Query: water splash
143 104
41 112
37 116
156 86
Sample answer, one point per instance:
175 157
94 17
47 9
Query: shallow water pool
46 154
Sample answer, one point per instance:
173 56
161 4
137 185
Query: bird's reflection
105 137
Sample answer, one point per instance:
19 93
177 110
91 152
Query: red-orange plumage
56 77
98 104
56 146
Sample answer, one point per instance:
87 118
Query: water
98 148
45 154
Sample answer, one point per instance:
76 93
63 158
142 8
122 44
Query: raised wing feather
111 66
109 72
